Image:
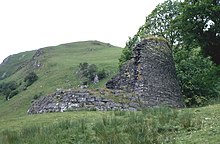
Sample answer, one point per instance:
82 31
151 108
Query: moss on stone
161 47
156 38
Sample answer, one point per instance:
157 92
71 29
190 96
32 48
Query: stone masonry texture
151 75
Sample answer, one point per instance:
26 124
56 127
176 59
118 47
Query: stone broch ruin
147 80
150 74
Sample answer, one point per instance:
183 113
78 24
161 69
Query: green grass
59 66
14 63
210 131
200 125
158 125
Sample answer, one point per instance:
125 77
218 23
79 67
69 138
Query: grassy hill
56 67
13 63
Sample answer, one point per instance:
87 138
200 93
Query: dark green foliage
127 52
197 75
125 56
199 23
102 74
12 93
30 78
36 96
87 73
92 71
161 22
151 126
9 89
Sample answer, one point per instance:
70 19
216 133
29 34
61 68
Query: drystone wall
75 100
151 75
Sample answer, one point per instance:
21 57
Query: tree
197 76
199 23
159 23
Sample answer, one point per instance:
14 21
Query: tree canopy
199 23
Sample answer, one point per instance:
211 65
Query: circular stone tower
150 74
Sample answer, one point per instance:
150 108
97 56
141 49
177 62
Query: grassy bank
158 125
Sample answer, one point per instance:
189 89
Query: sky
32 24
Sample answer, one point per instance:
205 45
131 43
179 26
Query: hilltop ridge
56 67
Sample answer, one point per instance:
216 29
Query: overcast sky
32 24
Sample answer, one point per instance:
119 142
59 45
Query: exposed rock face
35 62
65 100
151 75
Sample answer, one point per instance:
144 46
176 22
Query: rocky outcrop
151 75
101 100
35 61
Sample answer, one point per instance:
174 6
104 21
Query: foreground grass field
158 125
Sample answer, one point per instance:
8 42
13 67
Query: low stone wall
68 100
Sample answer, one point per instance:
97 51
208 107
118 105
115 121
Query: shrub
30 78
12 93
197 75
102 74
87 73
36 96
9 89
125 56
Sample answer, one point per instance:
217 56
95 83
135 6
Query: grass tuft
154 125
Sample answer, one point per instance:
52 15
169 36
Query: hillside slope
14 63
56 67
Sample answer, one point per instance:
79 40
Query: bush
37 96
125 56
9 89
87 73
12 93
30 78
102 74
197 75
